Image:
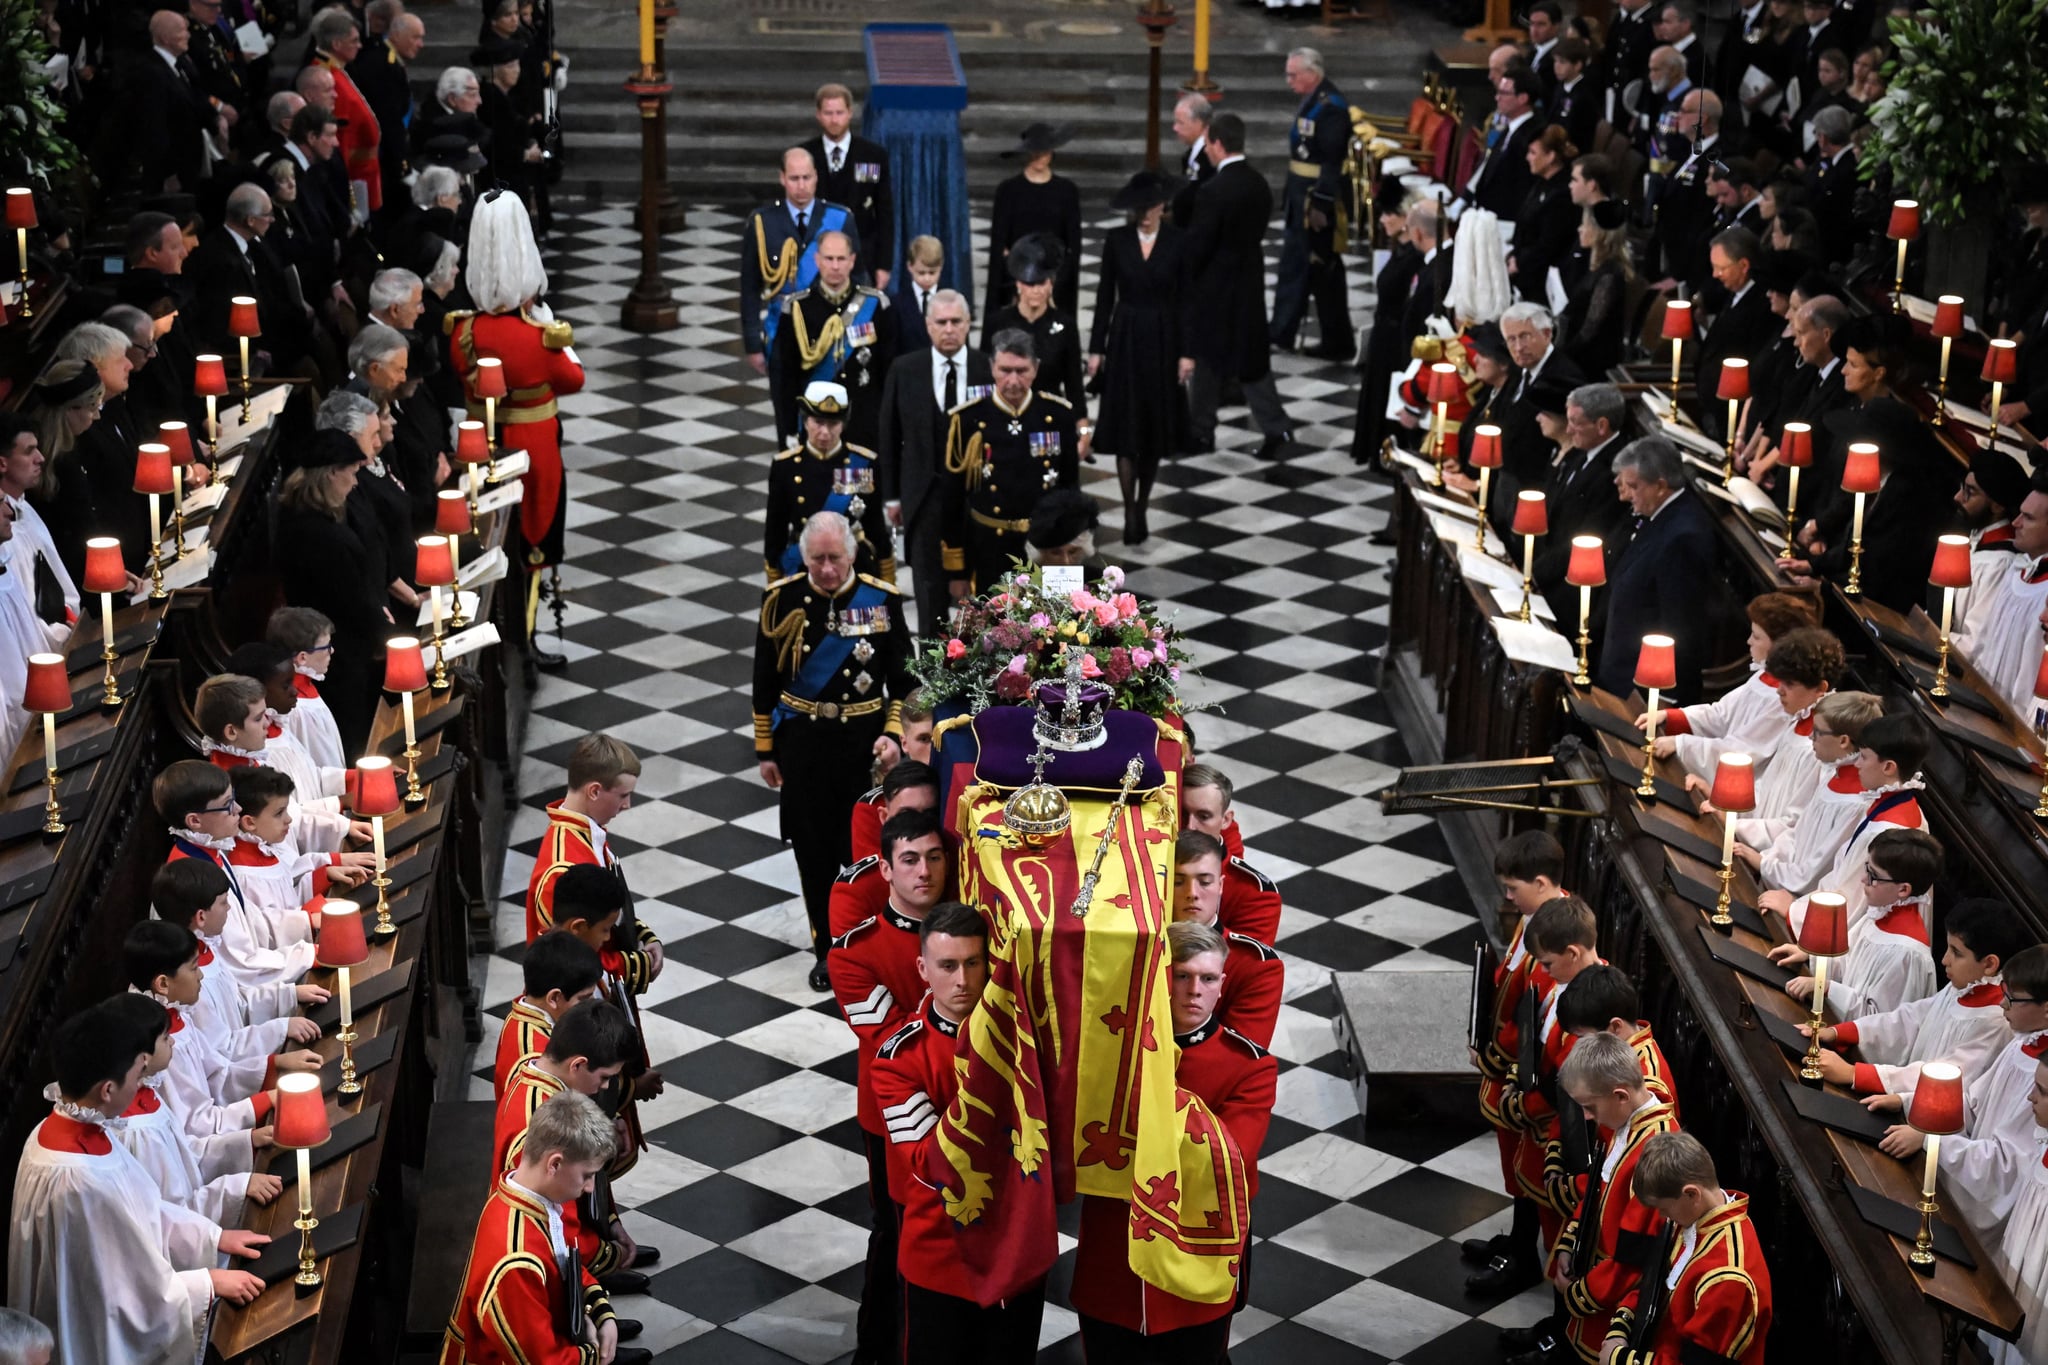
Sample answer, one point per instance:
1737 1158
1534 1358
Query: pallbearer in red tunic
1709 1298
1612 1234
1254 978
511 324
914 1080
560 970
909 783
1125 1321
526 1298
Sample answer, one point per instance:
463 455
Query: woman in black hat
325 564
1590 330
1035 264
1034 200
1135 347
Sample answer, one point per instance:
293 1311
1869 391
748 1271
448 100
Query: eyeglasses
2011 1000
219 810
1819 733
321 649
1870 875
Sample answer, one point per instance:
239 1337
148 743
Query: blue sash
832 218
838 500
830 654
827 369
1889 801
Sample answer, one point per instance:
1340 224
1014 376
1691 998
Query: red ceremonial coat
1254 979
914 1080
526 1032
359 131
1251 903
867 825
1721 1305
513 1299
873 967
858 894
1623 1230
539 368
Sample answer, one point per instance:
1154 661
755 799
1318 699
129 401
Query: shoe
1549 1351
1136 532
1276 447
1204 447
623 1282
1517 1339
628 1328
646 1255
1504 1276
820 979
1339 355
1480 1250
547 659
632 1355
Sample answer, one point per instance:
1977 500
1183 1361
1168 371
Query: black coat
912 451
1655 582
1137 332
1223 307
862 184
219 269
906 316
324 564
1742 330
1386 347
1546 228
1505 177
1581 501
1831 194
1057 337
168 118
1020 209
1595 320
380 512
1580 109
1196 170
1629 44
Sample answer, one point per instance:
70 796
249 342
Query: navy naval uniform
849 340
779 257
802 482
998 464
1312 259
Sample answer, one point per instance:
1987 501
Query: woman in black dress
1035 264
325 564
1544 225
1135 347
1386 347
1594 320
1034 200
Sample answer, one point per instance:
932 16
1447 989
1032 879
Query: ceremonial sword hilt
1093 877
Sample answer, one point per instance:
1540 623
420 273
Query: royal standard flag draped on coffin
1067 1067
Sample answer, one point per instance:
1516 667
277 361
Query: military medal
862 682
863 651
1016 428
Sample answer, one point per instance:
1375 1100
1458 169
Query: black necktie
924 306
952 385
802 224
836 155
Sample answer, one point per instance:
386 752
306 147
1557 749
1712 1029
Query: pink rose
1142 657
1022 579
1039 620
1105 614
1173 673
1081 600
999 601
1126 605
1019 663
955 650
1114 577
1089 668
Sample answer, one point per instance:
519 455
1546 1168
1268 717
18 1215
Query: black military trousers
1108 1344
826 765
1310 267
875 1330
940 1329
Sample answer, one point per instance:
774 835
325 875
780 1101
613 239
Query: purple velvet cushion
1003 734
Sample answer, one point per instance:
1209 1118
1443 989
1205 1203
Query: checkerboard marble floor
754 1188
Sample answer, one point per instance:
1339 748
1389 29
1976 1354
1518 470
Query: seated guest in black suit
1831 180
1657 565
1580 493
1741 330
1899 520
224 267
924 260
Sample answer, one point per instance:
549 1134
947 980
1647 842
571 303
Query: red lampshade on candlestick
178 436
471 445
1734 383
1532 514
242 318
48 689
301 1116
1825 930
2001 361
21 208
1948 316
104 571
1734 784
405 666
1904 225
1861 471
1795 445
1951 567
210 377
1938 1099
1587 567
1678 320
153 468
490 378
1444 385
1657 663
1485 452
376 791
433 565
341 941
451 512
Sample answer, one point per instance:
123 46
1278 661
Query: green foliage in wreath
32 140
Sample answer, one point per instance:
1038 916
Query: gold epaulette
557 335
454 316
1053 398
884 584
872 292
791 453
861 450
959 408
784 582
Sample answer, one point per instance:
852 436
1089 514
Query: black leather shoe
1480 1250
1341 355
628 1328
1136 532
552 662
820 979
1504 1276
632 1355
645 1255
623 1282
1550 1351
1273 447
1518 1339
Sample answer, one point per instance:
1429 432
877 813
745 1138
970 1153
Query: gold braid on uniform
809 353
773 277
964 460
788 634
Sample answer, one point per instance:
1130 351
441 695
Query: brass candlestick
1648 786
1584 677
1922 1255
309 1275
349 1084
1485 480
1948 609
1809 1066
53 812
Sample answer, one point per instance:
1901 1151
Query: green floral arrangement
1019 633
30 119
1968 97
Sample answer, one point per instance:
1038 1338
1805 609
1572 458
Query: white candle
1585 605
1792 500
245 361
1933 1167
1651 716
1528 561
212 423
377 840
49 742
411 739
434 592
1948 609
177 488
156 525
1944 358
1728 839
306 1182
1856 534
1820 987
107 619
348 1003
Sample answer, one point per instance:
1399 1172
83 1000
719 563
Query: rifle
1655 1293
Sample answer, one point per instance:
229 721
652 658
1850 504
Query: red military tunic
539 368
1254 979
527 1088
914 1080
1622 1230
568 842
1237 1079
1656 1071
526 1032
359 131
1251 903
873 967
1513 978
513 1299
858 894
1720 1305
867 825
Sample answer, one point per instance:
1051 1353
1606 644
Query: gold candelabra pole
1809 1066
383 928
309 1275
1648 786
1583 677
1922 1255
1485 480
